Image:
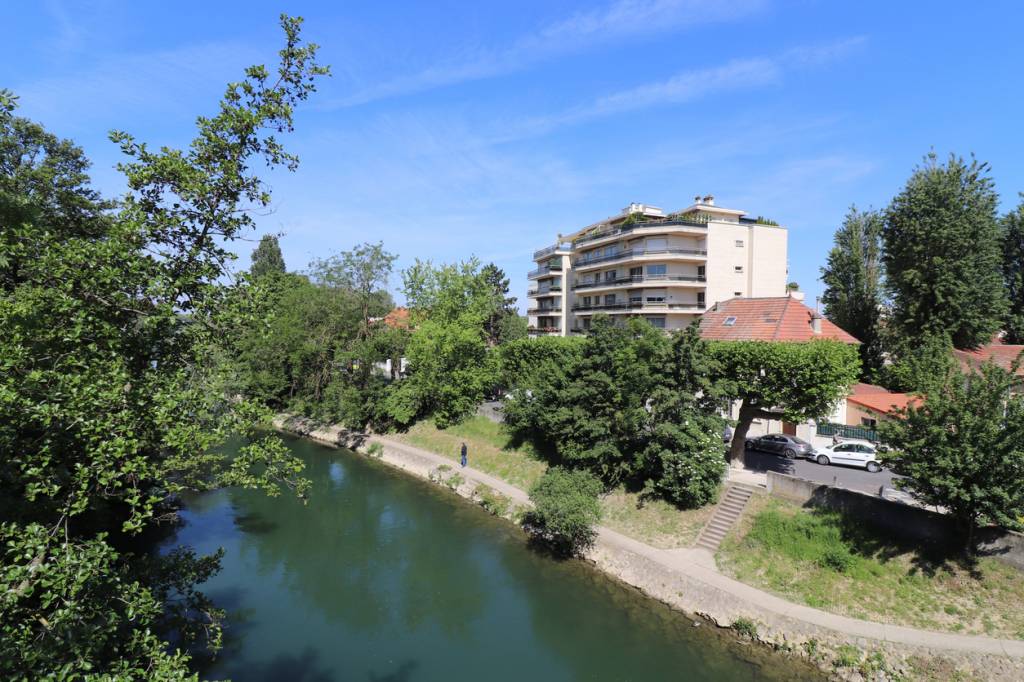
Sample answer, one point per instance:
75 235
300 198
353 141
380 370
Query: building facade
665 268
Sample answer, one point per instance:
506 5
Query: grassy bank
834 563
491 450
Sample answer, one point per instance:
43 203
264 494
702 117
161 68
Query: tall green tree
497 325
943 253
783 380
364 271
111 400
853 283
267 258
1013 273
963 449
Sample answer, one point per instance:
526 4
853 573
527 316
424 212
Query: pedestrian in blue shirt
464 458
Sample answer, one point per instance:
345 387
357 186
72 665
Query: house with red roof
868 404
1002 354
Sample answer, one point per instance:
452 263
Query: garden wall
902 520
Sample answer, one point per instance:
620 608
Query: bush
566 510
745 627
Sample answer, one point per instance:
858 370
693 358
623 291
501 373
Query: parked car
849 453
781 444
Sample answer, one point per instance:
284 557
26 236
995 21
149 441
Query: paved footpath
698 565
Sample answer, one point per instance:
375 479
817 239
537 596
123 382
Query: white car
849 453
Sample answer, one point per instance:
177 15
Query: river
383 577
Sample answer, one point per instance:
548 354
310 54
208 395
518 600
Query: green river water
382 577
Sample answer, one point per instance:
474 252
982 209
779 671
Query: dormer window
729 321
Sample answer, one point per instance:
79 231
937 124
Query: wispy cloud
582 31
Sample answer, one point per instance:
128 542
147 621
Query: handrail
639 278
639 305
543 292
543 311
646 223
544 330
547 250
629 253
543 270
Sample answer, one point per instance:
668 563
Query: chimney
696 199
816 324
709 200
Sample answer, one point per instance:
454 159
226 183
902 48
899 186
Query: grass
830 562
657 522
491 450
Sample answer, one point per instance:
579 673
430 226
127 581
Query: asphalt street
844 477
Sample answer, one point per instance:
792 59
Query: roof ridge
782 316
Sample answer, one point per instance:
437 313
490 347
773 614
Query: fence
844 431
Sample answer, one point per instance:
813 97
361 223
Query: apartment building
666 268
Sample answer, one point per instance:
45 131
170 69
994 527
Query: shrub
745 627
375 450
493 501
566 510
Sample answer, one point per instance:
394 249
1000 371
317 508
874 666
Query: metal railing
844 431
544 291
544 330
630 253
627 229
544 311
636 279
548 250
639 305
543 270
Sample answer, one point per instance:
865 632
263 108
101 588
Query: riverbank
687 579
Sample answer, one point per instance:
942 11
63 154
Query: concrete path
697 566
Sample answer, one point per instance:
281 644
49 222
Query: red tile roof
886 403
766 319
397 318
1002 354
861 388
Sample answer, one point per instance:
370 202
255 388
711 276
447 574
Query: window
609 276
729 321
586 301
656 296
870 423
739 269
701 272
739 243
656 270
737 294
609 299
586 323
700 299
658 322
636 273
636 299
659 244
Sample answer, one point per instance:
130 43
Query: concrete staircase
729 509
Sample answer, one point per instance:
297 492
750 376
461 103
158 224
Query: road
844 477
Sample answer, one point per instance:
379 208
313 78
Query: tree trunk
739 436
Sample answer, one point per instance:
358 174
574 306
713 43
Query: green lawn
656 522
820 559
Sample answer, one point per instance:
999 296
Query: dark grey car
781 444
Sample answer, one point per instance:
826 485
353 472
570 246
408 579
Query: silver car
781 444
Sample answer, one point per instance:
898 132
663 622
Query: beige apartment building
666 268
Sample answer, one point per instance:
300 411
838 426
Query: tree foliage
963 448
111 398
942 254
1013 273
781 380
267 258
853 283
630 404
566 509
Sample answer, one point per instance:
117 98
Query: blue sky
451 129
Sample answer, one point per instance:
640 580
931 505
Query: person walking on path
464 451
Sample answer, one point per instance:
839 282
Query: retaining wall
902 520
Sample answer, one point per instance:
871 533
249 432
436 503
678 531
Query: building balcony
555 310
548 250
638 307
544 270
544 291
646 227
640 254
658 280
544 330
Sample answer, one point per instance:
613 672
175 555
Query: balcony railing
554 289
639 305
635 226
543 270
547 251
544 330
631 253
544 311
638 279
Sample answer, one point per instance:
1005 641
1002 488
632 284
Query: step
730 505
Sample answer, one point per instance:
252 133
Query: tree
566 510
503 306
364 271
963 448
111 399
267 258
1013 273
450 369
942 254
916 364
630 404
853 283
783 380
